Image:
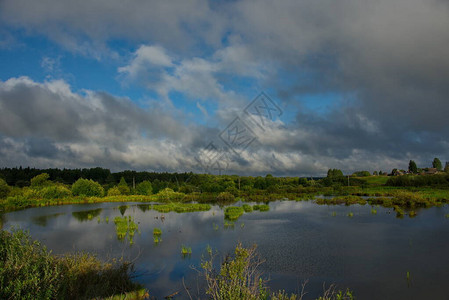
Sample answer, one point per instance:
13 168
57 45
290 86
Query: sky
289 88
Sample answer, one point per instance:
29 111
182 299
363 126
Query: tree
87 187
123 187
412 168
40 180
446 167
114 191
437 164
334 173
144 188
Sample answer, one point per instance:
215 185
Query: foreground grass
29 271
239 278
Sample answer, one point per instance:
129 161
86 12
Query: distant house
432 171
397 172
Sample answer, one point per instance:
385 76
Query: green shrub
87 187
144 188
5 189
114 191
40 180
55 192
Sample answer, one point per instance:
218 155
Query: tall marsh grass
29 271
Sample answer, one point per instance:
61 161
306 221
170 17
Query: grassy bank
372 187
29 271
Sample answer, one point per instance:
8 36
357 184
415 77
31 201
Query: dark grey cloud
51 122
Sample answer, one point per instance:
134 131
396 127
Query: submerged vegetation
232 213
29 271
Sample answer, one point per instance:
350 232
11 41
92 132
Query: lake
299 241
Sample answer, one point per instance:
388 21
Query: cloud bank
364 84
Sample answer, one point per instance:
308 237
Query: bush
225 197
5 189
114 191
144 188
87 187
168 194
55 192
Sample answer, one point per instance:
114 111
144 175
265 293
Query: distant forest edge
188 182
29 187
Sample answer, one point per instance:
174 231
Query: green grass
374 180
29 271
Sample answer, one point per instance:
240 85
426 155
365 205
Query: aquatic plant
228 224
232 213
247 208
373 211
186 250
157 239
333 214
209 250
261 207
125 227
180 207
350 214
157 231
399 212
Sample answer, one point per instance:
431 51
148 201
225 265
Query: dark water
370 254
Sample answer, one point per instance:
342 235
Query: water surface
370 254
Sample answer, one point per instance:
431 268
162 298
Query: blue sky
147 86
